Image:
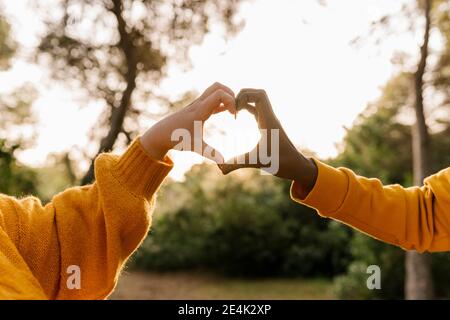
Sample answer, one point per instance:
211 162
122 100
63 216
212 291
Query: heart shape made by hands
232 136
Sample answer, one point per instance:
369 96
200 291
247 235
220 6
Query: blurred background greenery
238 236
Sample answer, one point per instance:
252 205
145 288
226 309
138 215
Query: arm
97 227
412 218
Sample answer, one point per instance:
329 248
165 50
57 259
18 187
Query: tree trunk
419 280
118 113
116 122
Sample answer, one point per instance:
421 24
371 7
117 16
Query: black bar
230 309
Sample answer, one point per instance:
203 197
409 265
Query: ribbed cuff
328 193
139 172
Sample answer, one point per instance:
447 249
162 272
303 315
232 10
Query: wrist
305 174
153 146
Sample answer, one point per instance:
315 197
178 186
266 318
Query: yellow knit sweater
413 218
95 228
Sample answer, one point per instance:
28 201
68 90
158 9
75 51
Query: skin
219 98
292 164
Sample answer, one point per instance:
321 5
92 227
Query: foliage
56 176
379 145
242 224
117 51
441 70
7 44
16 180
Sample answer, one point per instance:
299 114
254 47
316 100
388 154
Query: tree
441 70
16 179
117 51
7 44
15 111
419 280
379 145
15 106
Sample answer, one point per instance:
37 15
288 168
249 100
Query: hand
274 142
188 123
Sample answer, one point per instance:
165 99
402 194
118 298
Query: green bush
368 251
176 241
441 274
16 180
353 284
242 225
391 260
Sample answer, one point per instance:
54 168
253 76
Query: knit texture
95 227
413 218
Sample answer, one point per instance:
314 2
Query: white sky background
298 51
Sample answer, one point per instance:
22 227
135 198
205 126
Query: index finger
214 87
256 96
215 100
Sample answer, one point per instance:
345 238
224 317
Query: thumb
247 160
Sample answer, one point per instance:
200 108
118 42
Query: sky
298 51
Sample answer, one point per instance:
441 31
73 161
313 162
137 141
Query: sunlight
316 81
230 136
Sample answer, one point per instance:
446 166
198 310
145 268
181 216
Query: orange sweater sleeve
416 218
95 227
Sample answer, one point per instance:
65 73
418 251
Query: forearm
304 172
156 140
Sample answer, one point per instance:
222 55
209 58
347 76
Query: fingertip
224 172
231 105
225 88
224 168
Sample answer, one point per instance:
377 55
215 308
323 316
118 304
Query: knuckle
220 92
217 85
